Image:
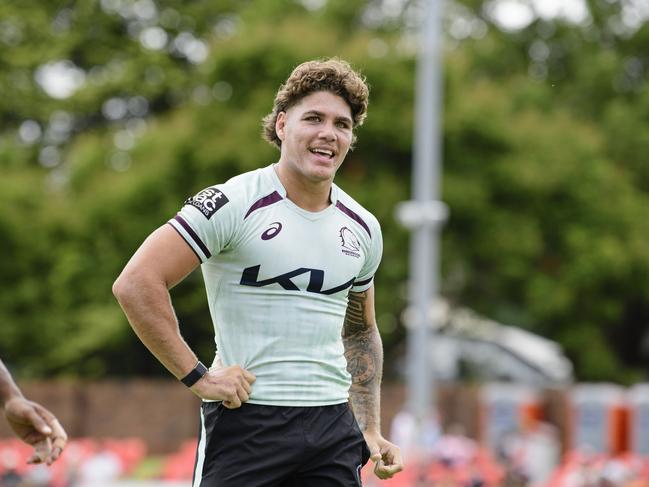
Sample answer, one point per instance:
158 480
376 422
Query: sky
513 15
517 14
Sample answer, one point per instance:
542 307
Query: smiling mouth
322 152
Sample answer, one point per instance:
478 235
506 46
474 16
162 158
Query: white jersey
277 279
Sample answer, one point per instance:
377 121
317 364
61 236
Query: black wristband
194 375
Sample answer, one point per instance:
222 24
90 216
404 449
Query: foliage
543 167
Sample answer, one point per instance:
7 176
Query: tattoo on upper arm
355 320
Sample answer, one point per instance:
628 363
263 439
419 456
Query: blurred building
467 345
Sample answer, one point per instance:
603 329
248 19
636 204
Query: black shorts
279 446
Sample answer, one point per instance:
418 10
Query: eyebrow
321 114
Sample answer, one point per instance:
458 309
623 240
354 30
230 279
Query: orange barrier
598 419
180 465
506 408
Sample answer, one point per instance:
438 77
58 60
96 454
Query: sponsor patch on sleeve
208 201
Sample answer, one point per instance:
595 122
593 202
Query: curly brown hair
333 75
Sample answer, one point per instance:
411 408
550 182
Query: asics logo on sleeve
250 277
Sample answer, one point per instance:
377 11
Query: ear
280 125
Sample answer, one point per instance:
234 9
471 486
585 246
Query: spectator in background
31 422
458 453
455 448
614 473
405 432
37 476
532 452
542 452
102 468
8 463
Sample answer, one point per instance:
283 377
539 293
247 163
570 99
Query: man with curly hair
288 258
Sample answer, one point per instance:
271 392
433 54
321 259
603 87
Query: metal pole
424 215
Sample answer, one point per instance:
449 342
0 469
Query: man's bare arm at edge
31 422
142 289
364 353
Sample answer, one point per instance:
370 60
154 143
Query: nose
328 132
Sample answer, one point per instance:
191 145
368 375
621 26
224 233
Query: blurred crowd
85 463
530 456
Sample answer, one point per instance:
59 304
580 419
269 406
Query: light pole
424 216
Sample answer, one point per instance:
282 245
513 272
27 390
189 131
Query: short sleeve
207 222
365 278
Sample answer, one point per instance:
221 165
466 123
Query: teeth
323 151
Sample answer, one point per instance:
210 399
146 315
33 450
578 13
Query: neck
308 195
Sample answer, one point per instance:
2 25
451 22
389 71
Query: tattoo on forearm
364 355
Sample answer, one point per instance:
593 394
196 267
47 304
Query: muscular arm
142 289
364 353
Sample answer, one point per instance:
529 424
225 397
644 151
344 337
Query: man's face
316 134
